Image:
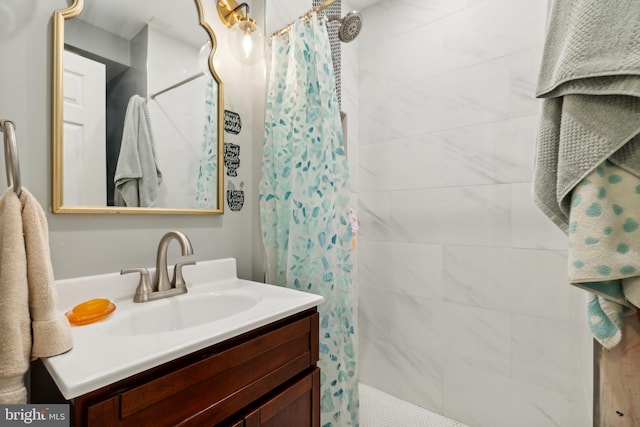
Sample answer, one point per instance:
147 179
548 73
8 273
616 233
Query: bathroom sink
138 336
184 311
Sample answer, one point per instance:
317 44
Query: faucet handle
178 280
144 286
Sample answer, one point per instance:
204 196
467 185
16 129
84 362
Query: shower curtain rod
180 83
307 15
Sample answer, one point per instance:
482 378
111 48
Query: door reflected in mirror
137 109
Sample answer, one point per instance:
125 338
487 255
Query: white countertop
100 357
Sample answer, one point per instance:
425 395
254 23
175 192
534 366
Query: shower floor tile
378 409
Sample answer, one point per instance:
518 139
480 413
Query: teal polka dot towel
604 247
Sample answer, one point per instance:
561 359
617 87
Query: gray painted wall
92 244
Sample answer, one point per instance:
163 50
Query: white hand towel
50 328
15 333
32 326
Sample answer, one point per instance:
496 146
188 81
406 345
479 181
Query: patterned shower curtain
304 204
207 182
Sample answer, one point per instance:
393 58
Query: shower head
350 26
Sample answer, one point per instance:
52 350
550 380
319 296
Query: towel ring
11 160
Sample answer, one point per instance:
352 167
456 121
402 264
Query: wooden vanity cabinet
295 405
266 377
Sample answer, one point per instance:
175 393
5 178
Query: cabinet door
296 406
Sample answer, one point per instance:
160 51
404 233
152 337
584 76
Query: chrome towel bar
11 160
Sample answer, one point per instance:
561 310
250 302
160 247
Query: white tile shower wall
464 304
177 116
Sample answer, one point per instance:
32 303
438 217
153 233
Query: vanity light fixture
245 38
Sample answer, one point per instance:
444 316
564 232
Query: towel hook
11 161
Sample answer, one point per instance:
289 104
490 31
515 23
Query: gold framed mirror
138 122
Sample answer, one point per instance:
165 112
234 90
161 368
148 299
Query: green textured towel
588 139
590 77
137 178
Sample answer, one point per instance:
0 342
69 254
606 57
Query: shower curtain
207 182
304 204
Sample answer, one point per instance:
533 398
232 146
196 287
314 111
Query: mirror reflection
141 110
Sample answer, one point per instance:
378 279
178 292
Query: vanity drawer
293 406
220 384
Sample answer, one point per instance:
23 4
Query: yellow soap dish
90 311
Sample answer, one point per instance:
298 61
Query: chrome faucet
162 287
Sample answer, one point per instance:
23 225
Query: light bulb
247 45
246 42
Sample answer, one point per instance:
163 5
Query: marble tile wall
177 117
464 305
